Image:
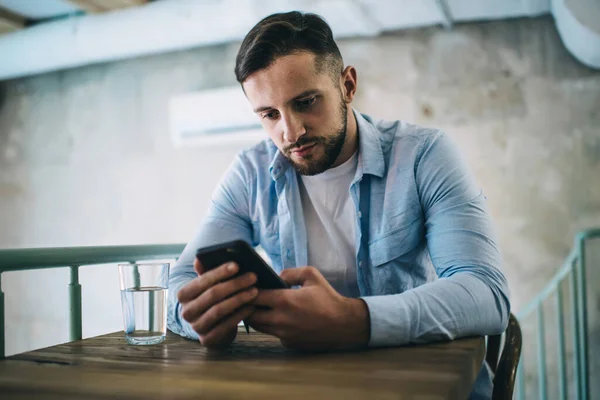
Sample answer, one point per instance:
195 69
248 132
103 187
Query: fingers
203 282
198 267
262 317
215 335
215 294
267 329
301 276
222 310
271 298
266 321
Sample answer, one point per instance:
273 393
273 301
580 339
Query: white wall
86 158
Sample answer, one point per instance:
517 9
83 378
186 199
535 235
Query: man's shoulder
404 141
402 132
259 155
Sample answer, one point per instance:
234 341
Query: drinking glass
144 289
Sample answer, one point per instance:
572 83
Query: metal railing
73 258
573 269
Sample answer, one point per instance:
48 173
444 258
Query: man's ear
349 82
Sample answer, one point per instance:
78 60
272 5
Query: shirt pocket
392 258
396 244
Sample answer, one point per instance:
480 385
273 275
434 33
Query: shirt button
359 214
360 263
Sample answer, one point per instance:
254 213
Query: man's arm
471 296
227 219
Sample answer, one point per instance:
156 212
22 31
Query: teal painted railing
73 258
573 269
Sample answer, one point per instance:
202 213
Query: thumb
303 276
198 267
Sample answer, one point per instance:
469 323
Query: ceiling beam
9 21
98 6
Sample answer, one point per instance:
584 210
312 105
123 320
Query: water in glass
145 314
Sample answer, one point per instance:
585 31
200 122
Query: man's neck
351 142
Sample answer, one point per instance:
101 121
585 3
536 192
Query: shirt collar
370 154
279 164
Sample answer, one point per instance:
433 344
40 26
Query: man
379 210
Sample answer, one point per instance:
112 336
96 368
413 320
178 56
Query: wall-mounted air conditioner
213 117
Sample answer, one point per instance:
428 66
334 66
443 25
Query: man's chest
385 222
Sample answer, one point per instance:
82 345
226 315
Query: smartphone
246 258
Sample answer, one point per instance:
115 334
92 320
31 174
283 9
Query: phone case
246 258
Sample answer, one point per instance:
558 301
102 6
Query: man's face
301 109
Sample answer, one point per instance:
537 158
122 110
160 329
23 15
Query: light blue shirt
428 266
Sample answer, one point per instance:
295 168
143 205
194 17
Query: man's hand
214 304
313 317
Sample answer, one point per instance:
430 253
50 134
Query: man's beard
332 147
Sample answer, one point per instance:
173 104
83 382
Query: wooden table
256 366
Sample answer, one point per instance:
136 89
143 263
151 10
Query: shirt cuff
187 330
390 321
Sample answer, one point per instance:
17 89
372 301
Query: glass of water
144 301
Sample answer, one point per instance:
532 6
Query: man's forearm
448 308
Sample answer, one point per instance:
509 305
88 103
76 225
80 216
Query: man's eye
270 115
306 102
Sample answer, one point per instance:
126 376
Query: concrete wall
86 159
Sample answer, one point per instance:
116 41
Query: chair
505 370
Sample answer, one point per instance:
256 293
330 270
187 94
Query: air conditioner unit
213 117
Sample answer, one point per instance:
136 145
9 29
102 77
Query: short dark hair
283 34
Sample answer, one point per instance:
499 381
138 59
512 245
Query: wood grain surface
256 366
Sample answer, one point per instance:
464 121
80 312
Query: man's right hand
214 304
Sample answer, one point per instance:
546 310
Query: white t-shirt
329 215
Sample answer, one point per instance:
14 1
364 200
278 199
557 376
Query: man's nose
293 128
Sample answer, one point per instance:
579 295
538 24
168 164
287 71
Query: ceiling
40 9
46 35
22 14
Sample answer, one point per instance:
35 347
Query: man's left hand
313 317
